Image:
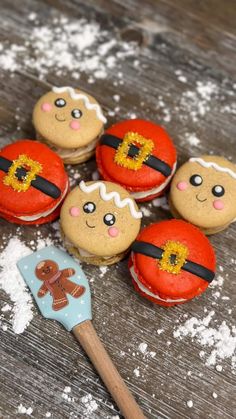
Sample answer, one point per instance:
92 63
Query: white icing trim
84 98
146 290
154 191
120 203
46 213
208 164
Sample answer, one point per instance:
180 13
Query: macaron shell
152 299
43 220
146 177
167 285
61 132
89 232
197 204
32 201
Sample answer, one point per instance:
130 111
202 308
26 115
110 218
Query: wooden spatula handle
89 340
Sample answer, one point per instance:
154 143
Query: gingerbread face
203 192
68 118
100 218
46 269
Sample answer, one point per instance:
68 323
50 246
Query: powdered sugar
63 46
89 403
192 139
221 338
24 411
143 348
66 395
13 284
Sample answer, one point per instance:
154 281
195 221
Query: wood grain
197 38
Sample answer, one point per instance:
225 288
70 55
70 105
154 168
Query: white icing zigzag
107 196
215 166
84 98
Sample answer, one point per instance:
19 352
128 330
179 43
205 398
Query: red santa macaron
139 155
171 262
33 183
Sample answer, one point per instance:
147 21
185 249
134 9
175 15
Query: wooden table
182 77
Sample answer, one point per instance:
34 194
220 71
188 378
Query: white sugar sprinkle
189 403
142 347
23 410
146 211
89 403
13 284
220 338
136 372
192 139
66 45
103 270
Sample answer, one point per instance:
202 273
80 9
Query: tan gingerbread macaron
203 192
70 121
99 222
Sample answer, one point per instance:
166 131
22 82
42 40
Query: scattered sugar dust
146 211
90 405
13 284
103 270
143 348
66 395
66 45
192 139
22 410
220 338
161 202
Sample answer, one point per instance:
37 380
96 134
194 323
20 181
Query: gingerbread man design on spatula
57 283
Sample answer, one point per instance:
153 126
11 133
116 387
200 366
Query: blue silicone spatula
62 293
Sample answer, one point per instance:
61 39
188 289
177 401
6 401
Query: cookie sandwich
138 155
33 183
99 222
203 192
171 262
69 121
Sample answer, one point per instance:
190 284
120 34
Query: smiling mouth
59 119
89 225
201 200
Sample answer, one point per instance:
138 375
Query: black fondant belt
148 249
151 161
43 185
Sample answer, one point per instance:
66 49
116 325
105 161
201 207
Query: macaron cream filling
154 191
148 292
45 213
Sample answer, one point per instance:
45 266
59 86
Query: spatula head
59 286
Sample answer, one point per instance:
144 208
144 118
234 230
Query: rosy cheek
46 107
75 125
113 231
182 186
218 204
74 211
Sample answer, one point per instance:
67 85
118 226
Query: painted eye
76 113
196 180
109 219
218 190
89 207
60 102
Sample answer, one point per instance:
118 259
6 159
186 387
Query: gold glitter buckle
22 185
135 163
173 257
